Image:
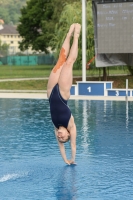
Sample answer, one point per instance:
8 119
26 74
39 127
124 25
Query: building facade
9 35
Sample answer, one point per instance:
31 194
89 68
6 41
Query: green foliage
4 15
3 48
130 68
36 25
58 7
72 13
10 10
90 32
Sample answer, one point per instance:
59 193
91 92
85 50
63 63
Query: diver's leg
66 76
55 73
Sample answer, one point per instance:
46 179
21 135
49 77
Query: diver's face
62 134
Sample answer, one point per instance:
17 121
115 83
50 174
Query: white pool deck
37 94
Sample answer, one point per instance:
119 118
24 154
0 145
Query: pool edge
43 95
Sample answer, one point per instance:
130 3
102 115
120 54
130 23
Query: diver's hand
70 162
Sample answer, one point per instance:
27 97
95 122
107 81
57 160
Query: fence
25 60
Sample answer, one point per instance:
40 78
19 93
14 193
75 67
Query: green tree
72 13
58 7
4 15
130 68
37 23
3 48
10 10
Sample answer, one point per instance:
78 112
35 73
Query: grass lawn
44 71
24 71
118 82
24 85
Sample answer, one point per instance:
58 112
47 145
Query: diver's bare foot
71 30
77 30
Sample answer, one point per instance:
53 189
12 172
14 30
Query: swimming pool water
31 167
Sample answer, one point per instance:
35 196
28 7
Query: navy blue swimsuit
60 112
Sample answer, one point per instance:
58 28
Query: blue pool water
31 167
